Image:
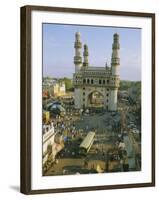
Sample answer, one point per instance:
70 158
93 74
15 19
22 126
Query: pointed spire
106 65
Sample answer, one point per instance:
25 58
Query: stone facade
89 79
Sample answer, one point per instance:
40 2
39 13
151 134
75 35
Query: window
100 81
83 93
88 81
91 81
84 88
107 100
103 81
107 81
84 80
107 94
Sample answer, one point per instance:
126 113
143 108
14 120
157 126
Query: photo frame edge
25 92
25 95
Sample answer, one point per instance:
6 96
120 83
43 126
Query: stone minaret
85 55
115 60
77 57
115 64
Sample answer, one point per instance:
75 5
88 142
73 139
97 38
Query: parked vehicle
87 143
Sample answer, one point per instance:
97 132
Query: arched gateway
95 99
102 82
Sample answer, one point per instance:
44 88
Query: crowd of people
66 127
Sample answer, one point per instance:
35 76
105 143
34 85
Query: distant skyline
58 49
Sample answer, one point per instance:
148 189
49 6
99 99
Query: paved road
74 166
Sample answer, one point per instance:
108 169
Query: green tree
68 83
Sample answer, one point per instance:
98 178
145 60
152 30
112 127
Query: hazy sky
58 49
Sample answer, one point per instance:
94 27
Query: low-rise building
52 144
53 88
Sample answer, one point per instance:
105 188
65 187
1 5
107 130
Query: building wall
108 89
62 88
82 96
113 100
54 89
78 98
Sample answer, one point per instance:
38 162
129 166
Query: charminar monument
88 79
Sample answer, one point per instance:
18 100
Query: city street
75 126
